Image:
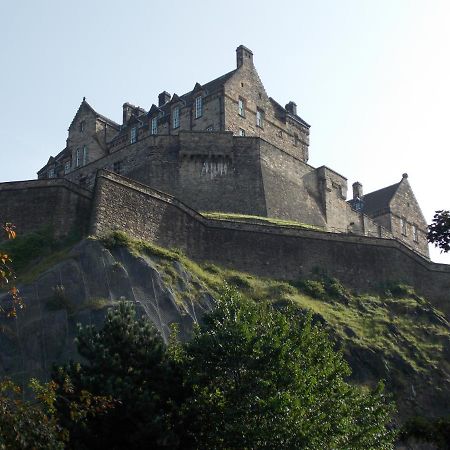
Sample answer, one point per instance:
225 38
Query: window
85 155
415 233
78 158
176 117
117 167
198 107
403 225
259 118
296 140
82 126
67 167
241 104
154 127
241 132
133 135
210 128
51 173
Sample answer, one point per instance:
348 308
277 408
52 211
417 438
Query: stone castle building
227 146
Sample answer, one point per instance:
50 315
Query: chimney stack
163 98
244 56
291 108
357 190
127 111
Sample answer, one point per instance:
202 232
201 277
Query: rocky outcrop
79 290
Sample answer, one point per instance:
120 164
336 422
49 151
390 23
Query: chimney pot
357 190
291 108
244 56
163 98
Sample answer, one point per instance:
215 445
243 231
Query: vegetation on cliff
251 376
392 334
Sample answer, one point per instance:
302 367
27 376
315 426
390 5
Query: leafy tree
27 425
263 378
7 277
439 230
127 361
251 377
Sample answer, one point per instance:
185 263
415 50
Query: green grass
259 219
35 252
388 322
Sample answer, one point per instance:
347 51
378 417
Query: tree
26 425
127 361
7 277
439 230
263 378
251 377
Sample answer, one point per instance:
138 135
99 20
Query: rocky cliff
395 335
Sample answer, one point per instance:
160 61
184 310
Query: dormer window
51 173
154 125
85 155
78 158
198 107
176 117
403 226
133 135
67 167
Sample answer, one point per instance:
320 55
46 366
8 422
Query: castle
227 147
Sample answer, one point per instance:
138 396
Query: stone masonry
227 146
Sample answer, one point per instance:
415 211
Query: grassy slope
399 329
258 219
397 322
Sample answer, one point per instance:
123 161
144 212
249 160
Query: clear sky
371 77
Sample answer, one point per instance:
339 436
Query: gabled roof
209 87
85 104
377 200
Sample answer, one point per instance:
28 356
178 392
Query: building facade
227 146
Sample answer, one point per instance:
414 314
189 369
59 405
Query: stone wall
278 252
56 203
286 133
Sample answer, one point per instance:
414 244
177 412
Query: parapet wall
266 250
36 204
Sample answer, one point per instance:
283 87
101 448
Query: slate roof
99 116
209 87
377 201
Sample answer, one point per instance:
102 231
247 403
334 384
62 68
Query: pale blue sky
371 77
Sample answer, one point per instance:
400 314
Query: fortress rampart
281 252
56 203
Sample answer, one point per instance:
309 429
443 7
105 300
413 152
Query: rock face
402 340
79 290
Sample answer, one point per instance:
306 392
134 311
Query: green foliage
262 378
439 230
400 290
127 361
325 288
434 431
259 219
314 288
29 425
251 377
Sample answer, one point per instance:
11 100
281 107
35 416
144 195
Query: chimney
357 190
163 98
291 108
127 111
244 56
